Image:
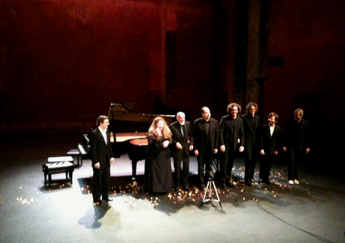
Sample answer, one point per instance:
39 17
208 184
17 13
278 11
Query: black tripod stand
211 186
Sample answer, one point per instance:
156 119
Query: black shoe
109 199
186 188
267 182
248 183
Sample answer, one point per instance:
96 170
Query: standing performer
101 156
297 140
205 133
182 137
158 174
251 126
231 135
269 146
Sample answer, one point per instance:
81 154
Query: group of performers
222 141
209 140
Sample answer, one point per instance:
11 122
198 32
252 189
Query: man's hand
178 145
222 148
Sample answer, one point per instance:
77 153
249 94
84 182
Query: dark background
63 62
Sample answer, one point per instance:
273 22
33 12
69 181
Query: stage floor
310 212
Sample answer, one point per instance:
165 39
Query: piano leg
134 169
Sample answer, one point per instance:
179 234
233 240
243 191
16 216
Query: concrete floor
311 212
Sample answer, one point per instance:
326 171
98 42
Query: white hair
180 113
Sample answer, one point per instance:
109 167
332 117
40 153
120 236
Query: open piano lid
122 119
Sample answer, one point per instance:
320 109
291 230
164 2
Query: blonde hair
166 133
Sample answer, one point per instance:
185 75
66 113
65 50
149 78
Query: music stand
211 185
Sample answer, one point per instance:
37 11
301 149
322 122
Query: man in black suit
231 136
182 136
101 156
205 134
297 140
251 125
269 146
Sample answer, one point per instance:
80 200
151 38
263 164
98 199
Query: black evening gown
158 174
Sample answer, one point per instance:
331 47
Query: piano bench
77 154
63 164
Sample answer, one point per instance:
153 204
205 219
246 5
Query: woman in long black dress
158 174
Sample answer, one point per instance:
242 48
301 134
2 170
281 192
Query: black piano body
129 131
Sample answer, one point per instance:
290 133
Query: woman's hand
165 143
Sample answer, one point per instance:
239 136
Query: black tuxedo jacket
99 150
269 143
229 135
297 133
177 136
200 137
251 133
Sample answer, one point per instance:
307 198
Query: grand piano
128 132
